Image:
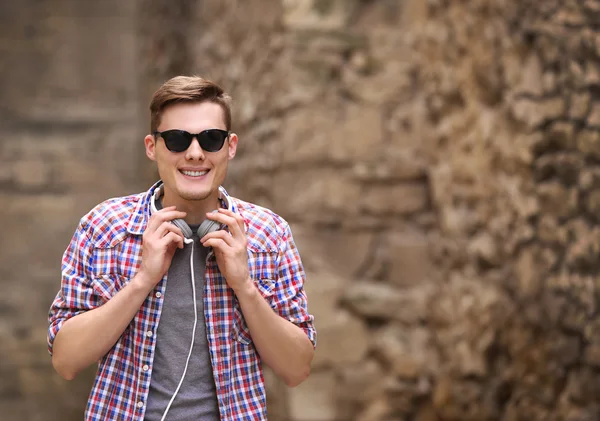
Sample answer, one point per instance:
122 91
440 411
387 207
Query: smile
194 173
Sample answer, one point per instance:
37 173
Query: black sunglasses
210 140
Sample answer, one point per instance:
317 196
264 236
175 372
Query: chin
194 195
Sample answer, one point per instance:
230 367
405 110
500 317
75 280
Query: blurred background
438 160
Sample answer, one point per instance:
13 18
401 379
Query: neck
196 210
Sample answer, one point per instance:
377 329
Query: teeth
194 173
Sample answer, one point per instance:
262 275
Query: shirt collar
141 213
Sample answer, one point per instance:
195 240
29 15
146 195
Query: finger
237 217
221 234
216 243
230 221
167 227
163 215
172 238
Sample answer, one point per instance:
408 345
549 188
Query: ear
150 144
232 145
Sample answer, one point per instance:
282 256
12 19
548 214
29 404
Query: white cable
187 241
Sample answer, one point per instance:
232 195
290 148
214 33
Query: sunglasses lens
212 140
176 140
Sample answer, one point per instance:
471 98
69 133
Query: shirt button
149 333
158 294
145 367
140 404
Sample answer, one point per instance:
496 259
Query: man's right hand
160 241
88 336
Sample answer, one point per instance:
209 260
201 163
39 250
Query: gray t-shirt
196 399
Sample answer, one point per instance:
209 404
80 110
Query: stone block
588 142
276 395
592 202
317 195
324 289
556 199
342 339
582 385
527 76
408 351
26 217
356 134
73 92
592 355
31 174
329 45
359 384
484 248
317 14
465 305
345 251
529 272
408 258
579 105
559 135
581 253
452 398
395 199
314 399
593 118
401 166
564 166
454 221
589 178
375 300
382 83
307 135
535 112
592 74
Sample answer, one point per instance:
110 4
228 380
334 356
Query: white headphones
205 227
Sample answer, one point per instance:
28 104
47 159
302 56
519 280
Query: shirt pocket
107 285
240 331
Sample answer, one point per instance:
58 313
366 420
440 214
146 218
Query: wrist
245 289
142 283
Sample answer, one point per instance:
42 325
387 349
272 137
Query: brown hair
188 89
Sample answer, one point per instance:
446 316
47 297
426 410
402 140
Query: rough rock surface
439 161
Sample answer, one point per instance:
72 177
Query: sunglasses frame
190 138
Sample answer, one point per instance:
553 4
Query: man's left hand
230 248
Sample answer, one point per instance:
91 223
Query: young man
180 320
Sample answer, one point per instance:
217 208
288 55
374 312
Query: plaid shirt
105 253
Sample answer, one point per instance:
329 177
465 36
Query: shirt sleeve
289 296
76 294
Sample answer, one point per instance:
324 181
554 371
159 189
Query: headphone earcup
184 227
208 225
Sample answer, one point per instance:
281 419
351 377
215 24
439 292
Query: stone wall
68 120
438 161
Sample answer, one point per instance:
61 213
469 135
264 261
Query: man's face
174 168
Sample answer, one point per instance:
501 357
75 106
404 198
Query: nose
194 152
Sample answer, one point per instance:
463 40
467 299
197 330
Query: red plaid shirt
105 253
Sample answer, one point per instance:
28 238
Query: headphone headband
205 227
